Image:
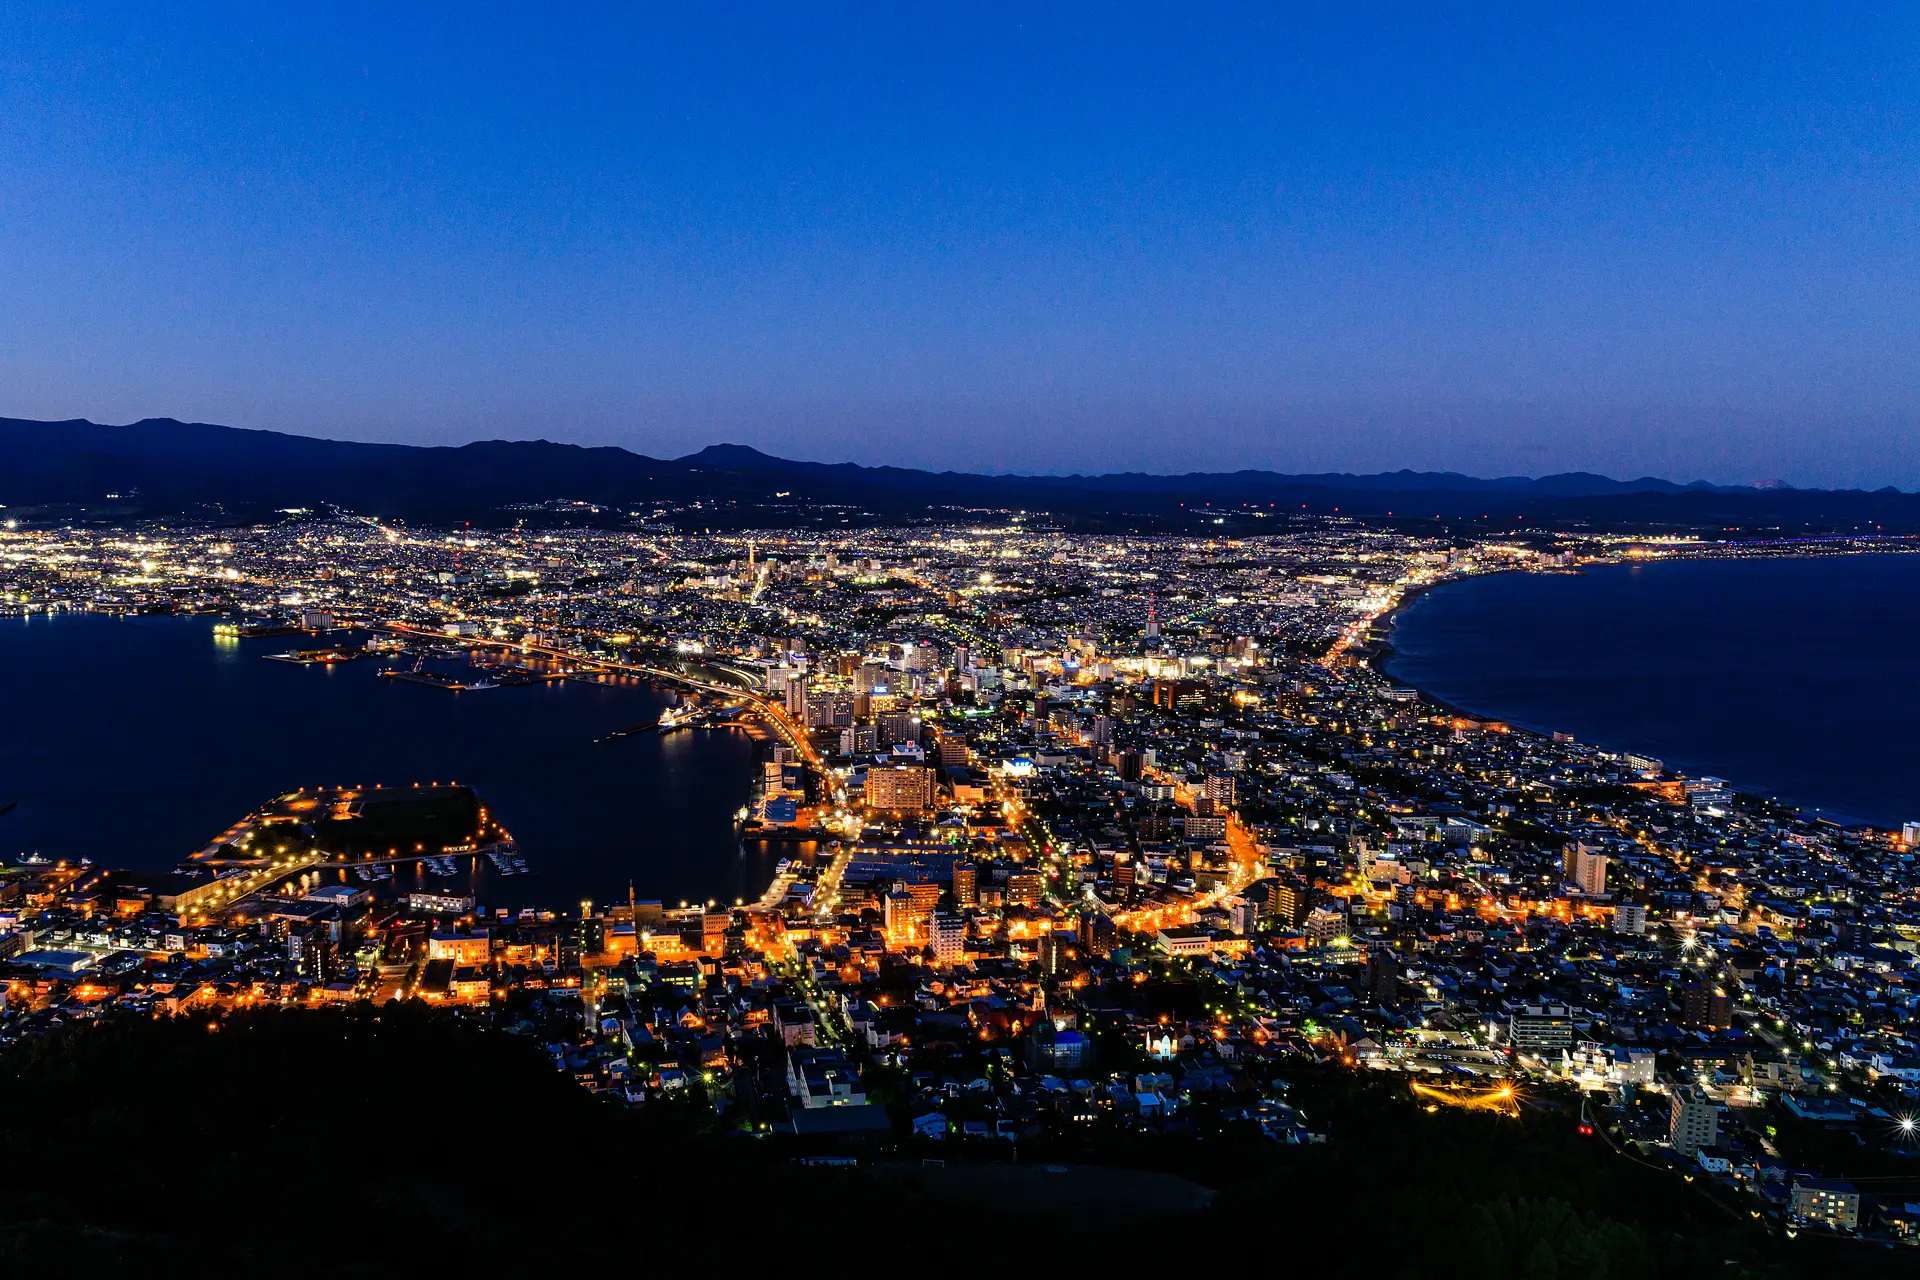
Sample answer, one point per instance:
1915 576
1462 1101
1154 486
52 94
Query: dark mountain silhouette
159 467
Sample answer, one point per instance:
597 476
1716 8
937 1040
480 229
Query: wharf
425 677
318 657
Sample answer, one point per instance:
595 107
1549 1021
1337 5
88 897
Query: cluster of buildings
1090 833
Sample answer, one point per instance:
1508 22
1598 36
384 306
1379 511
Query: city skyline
1071 627
1652 245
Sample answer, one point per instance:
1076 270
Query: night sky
1107 237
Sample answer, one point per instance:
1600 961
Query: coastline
1378 654
528 751
1385 655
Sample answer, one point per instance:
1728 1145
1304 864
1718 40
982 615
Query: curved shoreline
1680 761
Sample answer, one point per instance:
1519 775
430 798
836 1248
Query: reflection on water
133 742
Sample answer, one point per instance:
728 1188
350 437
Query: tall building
897 726
1201 830
1383 978
1220 788
964 884
1708 1008
1174 695
1153 617
860 739
1585 868
1289 902
902 916
1055 951
1322 925
1541 1029
797 697
1630 917
903 788
1024 888
1692 1123
948 938
1096 933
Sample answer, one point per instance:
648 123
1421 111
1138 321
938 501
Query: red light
1586 1131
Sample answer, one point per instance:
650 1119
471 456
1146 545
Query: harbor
585 818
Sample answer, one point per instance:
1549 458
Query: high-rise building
1585 868
1221 789
1541 1029
1708 1008
897 726
1055 951
1289 903
1024 888
1383 978
964 881
1322 925
1207 830
1096 933
948 938
906 788
859 739
1174 695
1692 1123
1630 917
1153 617
902 916
797 697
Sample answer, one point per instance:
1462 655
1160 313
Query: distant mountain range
1571 484
160 468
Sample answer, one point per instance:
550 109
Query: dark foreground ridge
161 468
406 1140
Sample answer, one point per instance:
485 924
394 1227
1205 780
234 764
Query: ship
679 718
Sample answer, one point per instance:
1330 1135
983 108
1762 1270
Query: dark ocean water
1791 678
135 742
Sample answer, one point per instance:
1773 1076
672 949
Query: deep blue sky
1162 237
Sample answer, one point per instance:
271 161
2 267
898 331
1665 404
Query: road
774 713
